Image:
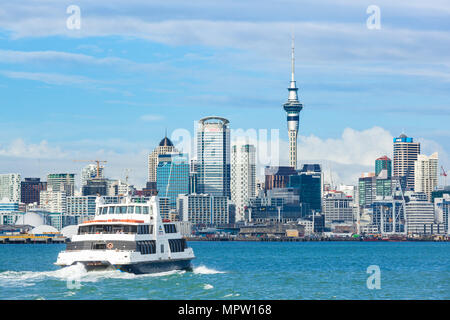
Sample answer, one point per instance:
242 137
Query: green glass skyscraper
383 163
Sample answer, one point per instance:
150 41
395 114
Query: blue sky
110 89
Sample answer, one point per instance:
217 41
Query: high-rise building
53 201
293 108
277 177
90 172
10 187
383 163
383 184
442 206
308 181
213 156
420 217
388 215
61 182
367 189
172 176
193 177
243 177
165 146
30 190
338 207
405 153
204 209
277 205
426 174
95 186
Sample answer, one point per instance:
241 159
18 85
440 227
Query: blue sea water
242 270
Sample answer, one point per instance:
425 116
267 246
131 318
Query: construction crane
444 174
98 165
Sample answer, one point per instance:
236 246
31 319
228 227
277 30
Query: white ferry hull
140 267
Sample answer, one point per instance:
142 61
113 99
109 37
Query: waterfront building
213 156
309 182
30 190
440 192
367 189
10 187
277 205
193 176
81 207
383 184
165 146
420 216
426 174
120 188
338 207
383 163
172 176
293 108
90 172
388 215
8 206
95 187
348 190
442 209
204 209
164 207
406 152
61 182
243 177
150 189
277 177
53 201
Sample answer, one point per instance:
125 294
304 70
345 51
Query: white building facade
243 177
10 187
426 174
203 209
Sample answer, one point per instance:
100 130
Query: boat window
145 209
146 247
122 210
112 210
108 229
99 246
130 209
162 248
105 210
138 209
170 228
177 245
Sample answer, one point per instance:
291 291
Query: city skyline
100 92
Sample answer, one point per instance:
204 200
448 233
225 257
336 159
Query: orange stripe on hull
116 220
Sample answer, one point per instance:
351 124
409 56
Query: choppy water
242 270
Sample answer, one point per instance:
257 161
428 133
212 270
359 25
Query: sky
134 69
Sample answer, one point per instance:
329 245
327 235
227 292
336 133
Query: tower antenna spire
293 58
293 108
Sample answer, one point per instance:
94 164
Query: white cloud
20 149
346 157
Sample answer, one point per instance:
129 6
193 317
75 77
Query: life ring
110 245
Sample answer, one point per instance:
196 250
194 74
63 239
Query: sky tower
293 108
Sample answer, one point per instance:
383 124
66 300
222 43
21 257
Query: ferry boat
130 237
